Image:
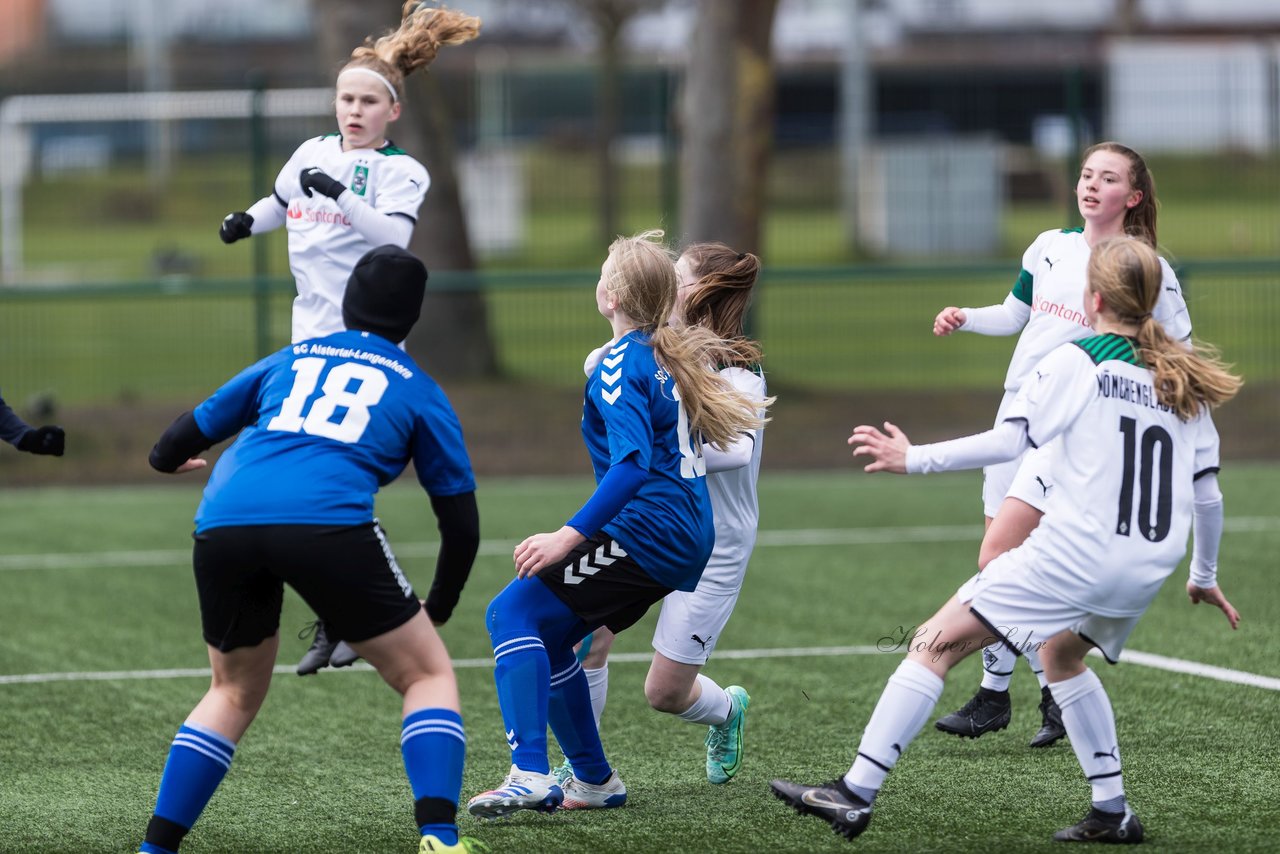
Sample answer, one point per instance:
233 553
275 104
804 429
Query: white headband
385 81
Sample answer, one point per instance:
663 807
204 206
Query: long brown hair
720 297
414 44
1139 220
641 280
1126 273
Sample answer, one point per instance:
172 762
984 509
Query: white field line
502 548
1142 659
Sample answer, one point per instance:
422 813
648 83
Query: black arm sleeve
12 428
459 522
182 441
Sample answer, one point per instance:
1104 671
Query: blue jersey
632 407
326 422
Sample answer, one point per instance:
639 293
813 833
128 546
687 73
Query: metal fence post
258 177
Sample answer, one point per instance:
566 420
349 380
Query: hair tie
741 255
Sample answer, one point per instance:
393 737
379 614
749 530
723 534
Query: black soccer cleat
322 647
987 711
1051 729
832 802
1116 828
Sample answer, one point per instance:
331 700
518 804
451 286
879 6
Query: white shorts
1004 598
1033 482
689 624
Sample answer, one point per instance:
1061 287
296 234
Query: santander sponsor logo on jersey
310 215
1057 309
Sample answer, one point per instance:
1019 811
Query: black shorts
603 585
346 573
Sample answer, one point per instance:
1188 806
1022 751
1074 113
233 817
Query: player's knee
664 697
245 697
503 613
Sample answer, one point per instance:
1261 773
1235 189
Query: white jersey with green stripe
323 245
1123 472
1048 297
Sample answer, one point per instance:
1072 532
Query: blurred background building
907 152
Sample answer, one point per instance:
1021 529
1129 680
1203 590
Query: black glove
43 440
317 179
235 226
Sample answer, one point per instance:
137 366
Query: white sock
598 684
905 705
1033 658
1091 726
712 707
997 666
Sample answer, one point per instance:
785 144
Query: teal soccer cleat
724 741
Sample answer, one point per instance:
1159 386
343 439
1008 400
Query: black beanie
384 293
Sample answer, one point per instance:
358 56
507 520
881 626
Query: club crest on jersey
361 180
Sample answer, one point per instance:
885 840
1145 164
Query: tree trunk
608 117
452 337
727 123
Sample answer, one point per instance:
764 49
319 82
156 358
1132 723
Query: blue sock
434 746
198 760
523 620
522 674
574 723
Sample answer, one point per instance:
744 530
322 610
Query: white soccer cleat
584 796
521 790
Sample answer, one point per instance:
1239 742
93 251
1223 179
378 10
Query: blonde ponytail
1126 273
641 281
414 44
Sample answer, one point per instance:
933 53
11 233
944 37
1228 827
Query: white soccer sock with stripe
1033 658
997 666
598 685
907 702
1091 727
712 707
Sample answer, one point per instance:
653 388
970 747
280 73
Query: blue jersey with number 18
325 423
632 408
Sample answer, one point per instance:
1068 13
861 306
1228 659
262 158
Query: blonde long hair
414 44
1126 273
641 281
720 297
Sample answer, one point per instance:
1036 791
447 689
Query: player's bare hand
541 550
888 449
948 320
191 465
1213 596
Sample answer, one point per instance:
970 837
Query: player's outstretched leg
987 711
521 790
724 741
1051 729
832 802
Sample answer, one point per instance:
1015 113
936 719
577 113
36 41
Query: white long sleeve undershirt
1003 442
1007 318
1207 532
267 213
376 227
